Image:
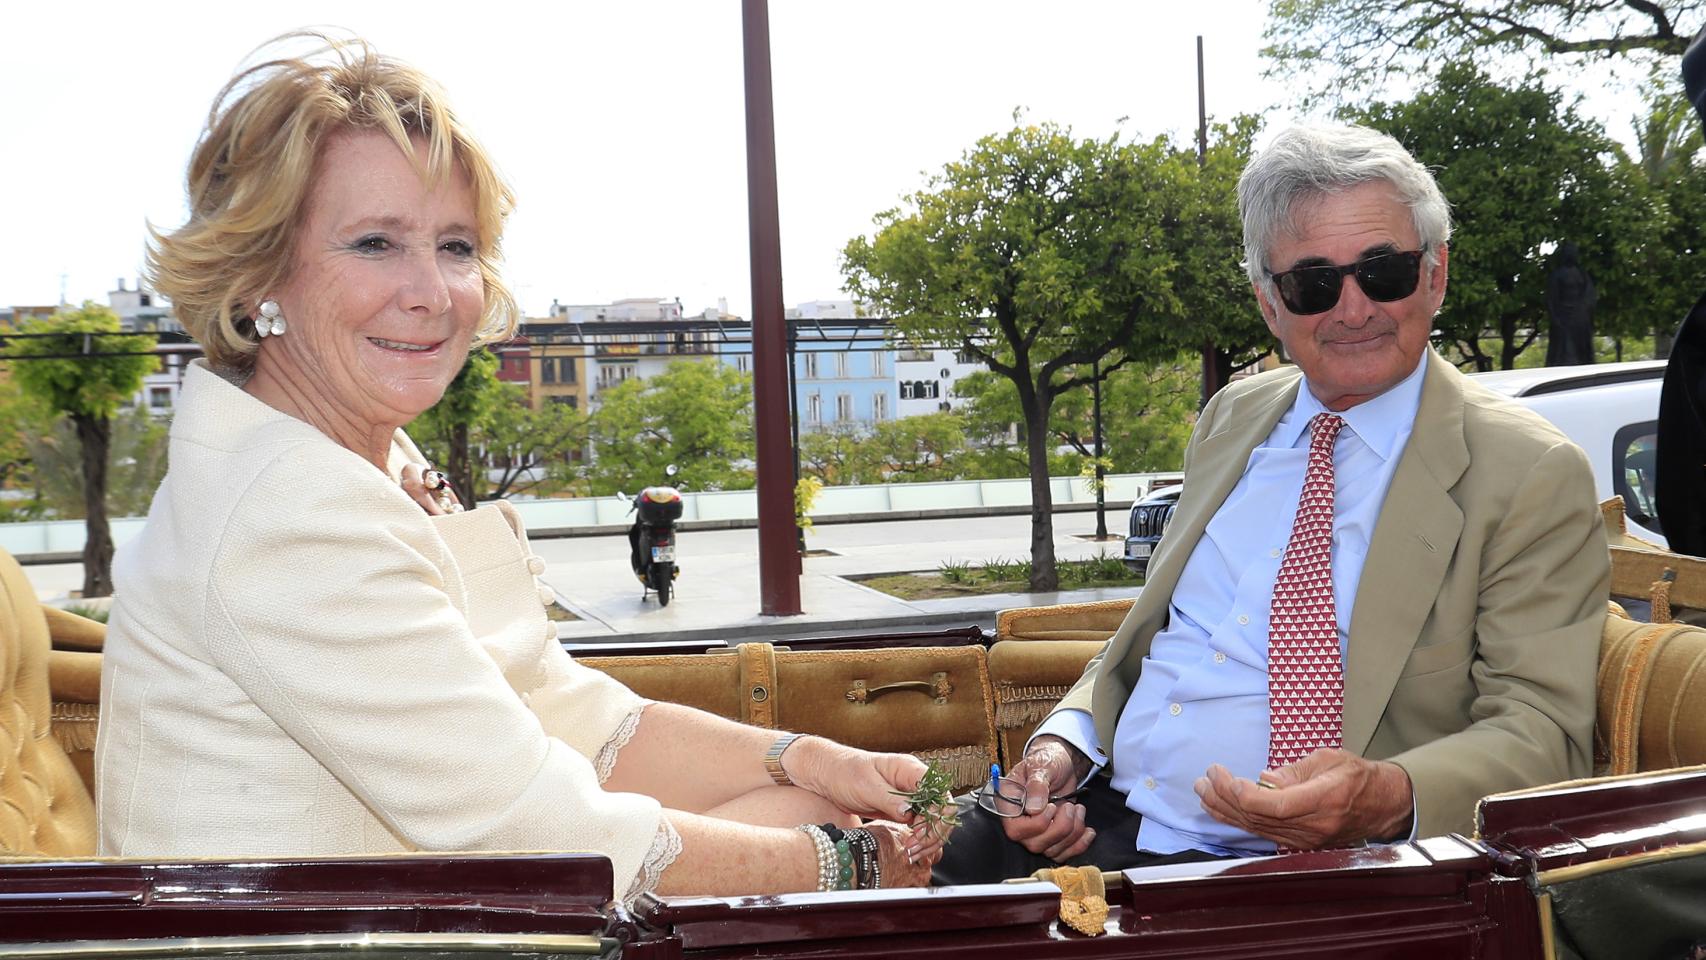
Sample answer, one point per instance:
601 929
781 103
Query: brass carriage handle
937 688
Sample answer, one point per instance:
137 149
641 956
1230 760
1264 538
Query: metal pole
794 427
1101 470
778 556
1210 354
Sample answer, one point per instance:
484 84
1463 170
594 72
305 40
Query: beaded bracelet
870 867
828 862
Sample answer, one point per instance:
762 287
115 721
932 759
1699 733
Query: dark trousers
978 851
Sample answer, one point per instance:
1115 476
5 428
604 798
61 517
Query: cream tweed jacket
301 661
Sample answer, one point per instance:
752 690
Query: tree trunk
1044 577
1216 372
95 434
460 468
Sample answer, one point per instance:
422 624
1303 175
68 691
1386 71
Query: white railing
63 537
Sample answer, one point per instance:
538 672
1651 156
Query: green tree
919 448
696 414
838 455
1039 254
25 421
81 367
1350 45
1218 316
136 464
1147 412
1671 261
1524 172
445 431
536 447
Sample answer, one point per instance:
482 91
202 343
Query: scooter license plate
664 553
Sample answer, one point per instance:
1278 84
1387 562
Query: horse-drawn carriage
1609 867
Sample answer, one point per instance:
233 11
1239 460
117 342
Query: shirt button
526 698
1219 657
1274 553
535 566
1175 709
546 596
1243 619
1149 782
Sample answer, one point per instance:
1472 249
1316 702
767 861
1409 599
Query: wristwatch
773 758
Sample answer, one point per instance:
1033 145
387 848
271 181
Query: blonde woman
314 649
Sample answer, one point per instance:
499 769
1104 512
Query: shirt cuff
1076 728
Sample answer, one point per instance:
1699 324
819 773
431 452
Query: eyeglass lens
1004 798
1383 278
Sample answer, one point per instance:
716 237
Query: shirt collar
1382 422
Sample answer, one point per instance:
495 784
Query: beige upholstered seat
45 807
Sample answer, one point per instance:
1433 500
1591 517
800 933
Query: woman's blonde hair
252 171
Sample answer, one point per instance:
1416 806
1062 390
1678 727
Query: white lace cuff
605 761
666 846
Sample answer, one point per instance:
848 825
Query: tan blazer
1475 636
302 662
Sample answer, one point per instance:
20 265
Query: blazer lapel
1412 547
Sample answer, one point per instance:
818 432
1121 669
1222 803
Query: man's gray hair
1307 162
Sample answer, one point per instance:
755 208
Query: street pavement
717 595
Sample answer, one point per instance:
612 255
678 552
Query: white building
140 309
617 357
925 380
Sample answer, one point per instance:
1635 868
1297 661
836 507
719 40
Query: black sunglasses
1384 277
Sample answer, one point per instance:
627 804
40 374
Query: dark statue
1570 296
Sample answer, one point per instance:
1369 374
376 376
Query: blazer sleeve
327 607
1544 580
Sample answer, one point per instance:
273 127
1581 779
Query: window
548 370
944 406
743 362
964 356
1634 470
916 356
906 389
844 407
572 402
159 398
814 408
568 371
880 406
841 360
943 373
879 364
811 366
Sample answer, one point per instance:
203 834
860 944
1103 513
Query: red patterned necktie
1306 681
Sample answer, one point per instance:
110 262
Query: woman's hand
430 489
858 781
900 869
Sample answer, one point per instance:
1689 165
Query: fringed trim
74 724
968 766
1017 706
605 762
666 846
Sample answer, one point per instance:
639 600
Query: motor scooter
652 538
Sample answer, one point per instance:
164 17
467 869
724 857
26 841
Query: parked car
1610 409
1148 519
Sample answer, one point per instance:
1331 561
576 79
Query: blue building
837 386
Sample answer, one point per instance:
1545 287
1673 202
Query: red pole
778 552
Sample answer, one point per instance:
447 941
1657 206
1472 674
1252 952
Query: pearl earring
270 322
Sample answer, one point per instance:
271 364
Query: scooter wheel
663 579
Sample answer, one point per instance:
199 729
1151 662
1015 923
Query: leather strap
758 684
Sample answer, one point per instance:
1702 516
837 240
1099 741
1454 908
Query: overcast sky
619 124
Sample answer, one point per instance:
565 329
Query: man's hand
1328 799
1055 829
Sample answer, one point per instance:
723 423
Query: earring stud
271 321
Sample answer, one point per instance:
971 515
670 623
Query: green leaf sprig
932 801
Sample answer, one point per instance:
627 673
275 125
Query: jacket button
535 566
546 595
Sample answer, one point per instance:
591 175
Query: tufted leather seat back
44 807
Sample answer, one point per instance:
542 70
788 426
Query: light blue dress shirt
1202 697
